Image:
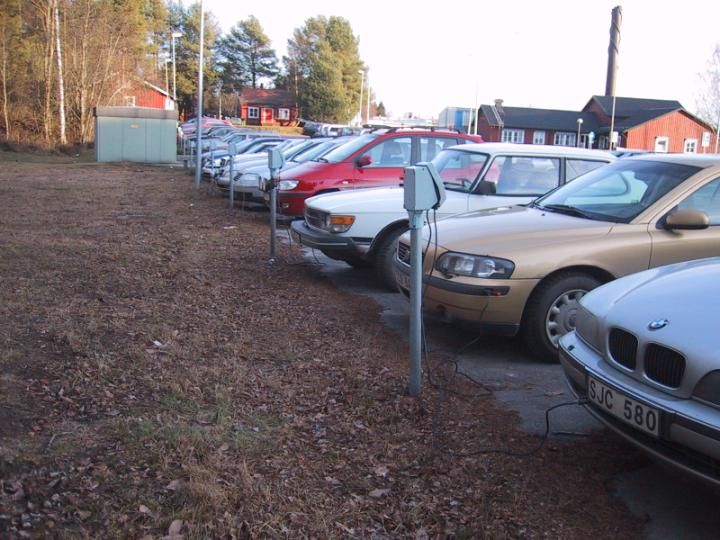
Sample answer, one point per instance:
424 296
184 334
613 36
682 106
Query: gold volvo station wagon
521 270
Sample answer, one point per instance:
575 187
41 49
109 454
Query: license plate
628 410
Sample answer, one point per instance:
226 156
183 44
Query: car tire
384 255
551 312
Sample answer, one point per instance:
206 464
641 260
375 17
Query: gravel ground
160 378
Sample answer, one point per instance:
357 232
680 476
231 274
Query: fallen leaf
144 509
381 470
377 493
175 527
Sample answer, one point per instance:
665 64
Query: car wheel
551 312
384 255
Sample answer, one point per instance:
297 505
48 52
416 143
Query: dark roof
268 96
631 112
525 117
625 106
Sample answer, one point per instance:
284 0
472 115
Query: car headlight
288 185
708 389
338 223
587 328
452 264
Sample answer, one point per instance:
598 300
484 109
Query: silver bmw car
645 358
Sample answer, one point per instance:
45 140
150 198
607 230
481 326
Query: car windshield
617 192
459 169
344 151
313 151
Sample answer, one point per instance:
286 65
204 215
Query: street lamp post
362 82
174 35
579 124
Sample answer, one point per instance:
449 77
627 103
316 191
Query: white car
362 227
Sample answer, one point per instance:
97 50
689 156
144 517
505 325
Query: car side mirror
363 161
687 220
486 188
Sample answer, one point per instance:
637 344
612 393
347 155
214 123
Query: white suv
361 227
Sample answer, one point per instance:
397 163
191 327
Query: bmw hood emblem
658 324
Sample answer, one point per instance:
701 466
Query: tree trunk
61 82
3 32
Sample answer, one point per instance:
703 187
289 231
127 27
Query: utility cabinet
138 134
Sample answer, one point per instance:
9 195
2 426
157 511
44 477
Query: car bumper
292 204
494 305
682 441
332 245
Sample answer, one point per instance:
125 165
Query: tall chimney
613 50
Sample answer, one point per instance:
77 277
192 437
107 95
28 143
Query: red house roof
268 96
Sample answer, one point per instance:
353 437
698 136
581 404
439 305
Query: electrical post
198 126
232 150
423 191
275 161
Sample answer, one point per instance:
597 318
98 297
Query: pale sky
424 56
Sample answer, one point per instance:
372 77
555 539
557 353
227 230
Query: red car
374 159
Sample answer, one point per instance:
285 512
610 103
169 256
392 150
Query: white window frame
514 136
662 144
283 114
690 146
254 112
565 138
129 101
539 136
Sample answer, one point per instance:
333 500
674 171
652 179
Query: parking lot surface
672 505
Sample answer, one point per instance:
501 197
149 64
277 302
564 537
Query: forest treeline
61 58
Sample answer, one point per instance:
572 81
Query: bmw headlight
587 328
708 389
288 185
452 264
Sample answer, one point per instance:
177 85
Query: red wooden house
268 107
641 124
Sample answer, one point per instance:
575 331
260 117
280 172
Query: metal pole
174 71
367 85
232 185
415 304
612 124
717 133
198 148
362 82
273 213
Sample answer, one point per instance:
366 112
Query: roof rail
423 128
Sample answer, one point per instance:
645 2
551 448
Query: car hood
510 231
673 297
309 168
371 200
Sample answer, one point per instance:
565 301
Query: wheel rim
560 318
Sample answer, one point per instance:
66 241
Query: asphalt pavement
674 505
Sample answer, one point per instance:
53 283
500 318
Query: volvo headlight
337 223
452 264
288 185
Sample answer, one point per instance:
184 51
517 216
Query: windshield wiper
564 209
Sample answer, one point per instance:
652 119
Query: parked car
644 357
370 160
361 227
523 269
214 160
248 184
289 148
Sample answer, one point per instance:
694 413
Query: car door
388 159
669 246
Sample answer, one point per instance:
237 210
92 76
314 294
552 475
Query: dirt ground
159 378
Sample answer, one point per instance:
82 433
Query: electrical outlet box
423 188
275 159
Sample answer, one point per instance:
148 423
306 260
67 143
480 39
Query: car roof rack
422 128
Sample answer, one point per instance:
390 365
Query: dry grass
165 377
